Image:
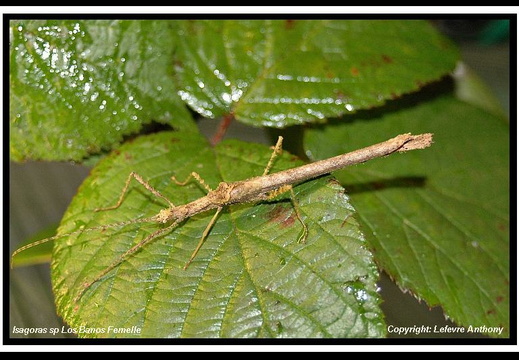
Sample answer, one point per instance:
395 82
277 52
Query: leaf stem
222 128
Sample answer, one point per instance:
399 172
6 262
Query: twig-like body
258 188
249 190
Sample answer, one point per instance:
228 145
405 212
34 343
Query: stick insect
259 188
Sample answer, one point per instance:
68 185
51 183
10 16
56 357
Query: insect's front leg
144 183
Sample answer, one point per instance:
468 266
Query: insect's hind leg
204 236
295 204
302 238
278 150
144 183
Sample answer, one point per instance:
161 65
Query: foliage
436 220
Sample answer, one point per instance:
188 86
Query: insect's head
165 215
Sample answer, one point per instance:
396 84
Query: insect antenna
100 227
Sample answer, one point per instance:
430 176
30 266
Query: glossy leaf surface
78 87
286 72
251 278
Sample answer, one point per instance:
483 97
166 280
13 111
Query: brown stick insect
264 187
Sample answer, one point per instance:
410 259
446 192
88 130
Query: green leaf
472 89
251 278
438 219
79 86
286 72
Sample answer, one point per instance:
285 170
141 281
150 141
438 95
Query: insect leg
122 258
277 150
204 236
297 210
125 190
95 228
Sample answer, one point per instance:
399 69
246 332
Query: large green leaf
438 220
286 72
79 86
252 278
